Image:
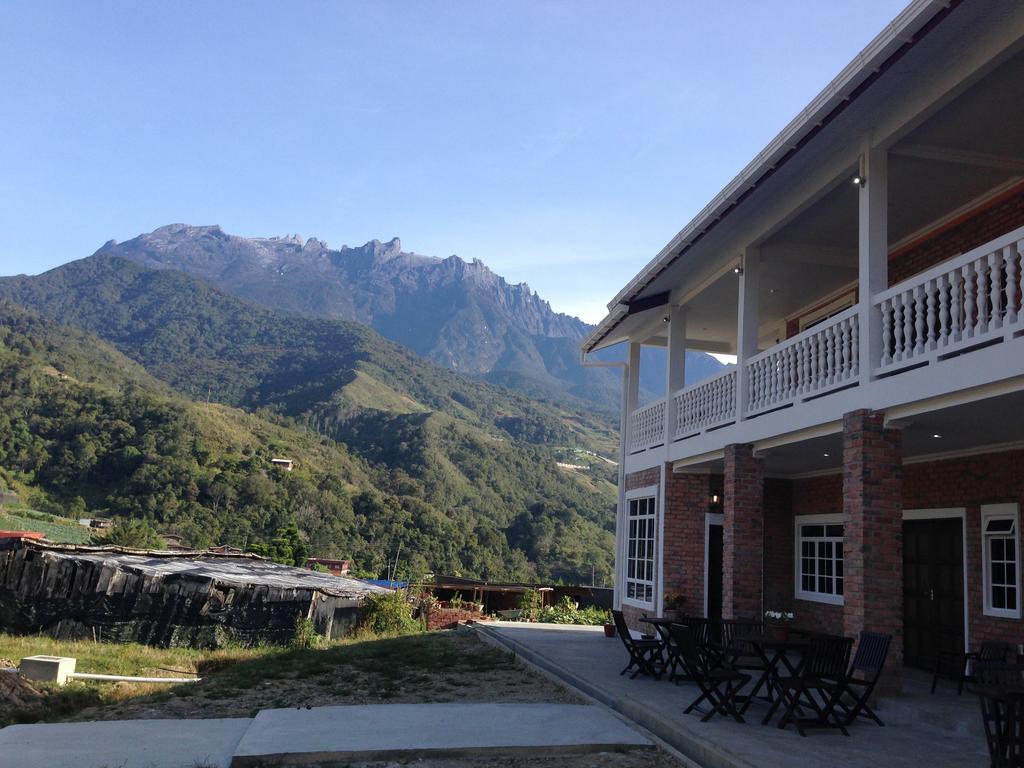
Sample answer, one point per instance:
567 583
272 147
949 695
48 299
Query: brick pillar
743 534
687 498
873 535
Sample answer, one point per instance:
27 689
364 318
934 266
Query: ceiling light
936 435
825 455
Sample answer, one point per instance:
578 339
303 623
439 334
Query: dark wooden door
714 571
933 590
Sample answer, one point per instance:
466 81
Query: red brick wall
783 501
632 616
743 534
873 533
997 217
687 499
444 618
970 482
643 478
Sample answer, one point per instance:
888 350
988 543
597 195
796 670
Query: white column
873 254
676 367
620 517
747 322
633 382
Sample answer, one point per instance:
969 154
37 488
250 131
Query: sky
561 143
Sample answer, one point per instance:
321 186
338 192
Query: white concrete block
48 669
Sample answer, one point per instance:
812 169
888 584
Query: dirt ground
435 667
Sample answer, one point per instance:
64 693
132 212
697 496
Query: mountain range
456 313
153 395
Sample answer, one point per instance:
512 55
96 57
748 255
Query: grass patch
107 659
420 667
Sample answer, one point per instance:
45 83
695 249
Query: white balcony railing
819 360
647 427
706 405
964 304
970 300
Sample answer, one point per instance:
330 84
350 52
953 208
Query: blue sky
562 143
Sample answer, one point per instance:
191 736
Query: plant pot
609 630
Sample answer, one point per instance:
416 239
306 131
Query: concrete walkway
941 731
123 744
301 737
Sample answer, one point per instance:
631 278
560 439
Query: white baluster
969 319
888 341
942 339
984 311
897 322
908 325
919 314
956 304
1012 289
995 267
855 344
931 327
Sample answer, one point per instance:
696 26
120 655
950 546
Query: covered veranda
940 730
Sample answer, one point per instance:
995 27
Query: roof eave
870 61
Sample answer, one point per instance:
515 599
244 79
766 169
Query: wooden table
661 626
774 652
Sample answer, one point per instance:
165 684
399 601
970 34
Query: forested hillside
391 451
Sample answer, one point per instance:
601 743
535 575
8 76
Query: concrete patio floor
939 731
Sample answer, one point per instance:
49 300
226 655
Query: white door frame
939 514
710 518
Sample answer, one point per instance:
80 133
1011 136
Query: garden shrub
388 613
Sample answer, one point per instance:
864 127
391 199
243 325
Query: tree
139 534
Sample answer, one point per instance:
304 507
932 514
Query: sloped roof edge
896 38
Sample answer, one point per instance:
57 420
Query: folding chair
868 662
822 672
991 651
1002 711
718 686
643 654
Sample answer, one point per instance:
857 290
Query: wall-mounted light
737 270
664 319
714 498
936 435
860 180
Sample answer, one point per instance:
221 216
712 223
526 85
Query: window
640 527
819 558
1000 559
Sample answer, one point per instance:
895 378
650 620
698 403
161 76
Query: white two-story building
862 463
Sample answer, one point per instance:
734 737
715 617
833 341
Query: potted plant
609 625
675 605
779 620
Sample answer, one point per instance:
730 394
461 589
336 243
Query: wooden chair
644 655
863 675
718 685
999 690
818 684
991 651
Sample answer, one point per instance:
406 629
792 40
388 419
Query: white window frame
798 591
652 492
1000 512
